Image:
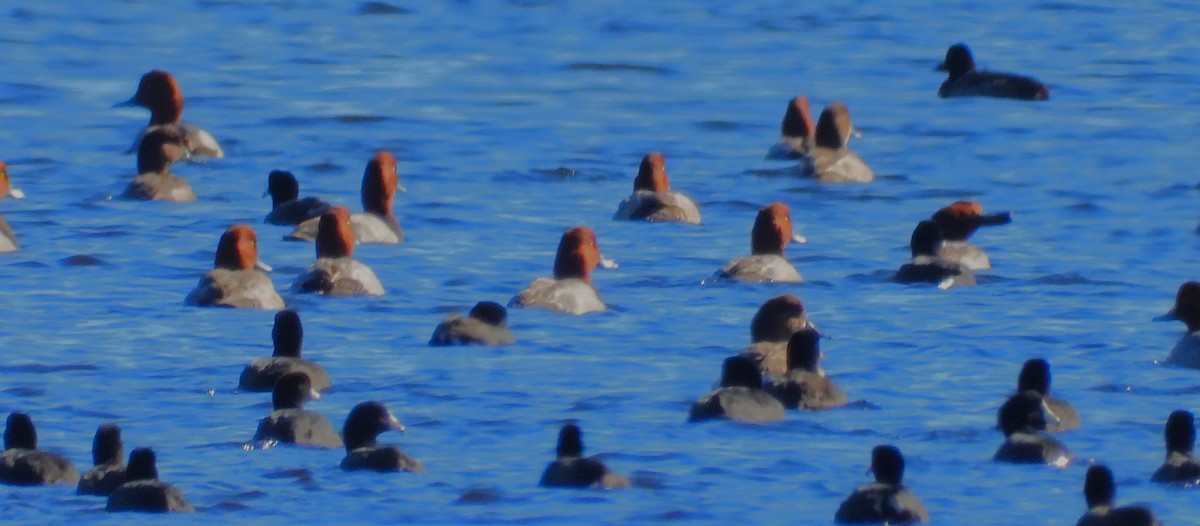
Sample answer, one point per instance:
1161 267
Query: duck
108 463
235 280
1059 414
286 206
485 324
796 131
377 223
885 501
8 239
958 222
159 92
23 464
570 290
1186 353
365 422
805 385
652 198
335 272
966 81
290 422
770 236
1022 419
1181 465
571 470
288 338
142 490
740 398
1099 488
772 326
159 149
926 266
830 159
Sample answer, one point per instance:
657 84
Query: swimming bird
366 421
159 92
796 132
336 272
966 81
142 490
235 280
926 266
571 470
159 149
23 464
653 199
770 236
288 338
1099 490
286 206
108 463
570 290
486 324
290 422
377 223
1186 353
1022 419
830 159
1059 414
740 397
771 328
1181 465
958 221
8 240
805 385
885 501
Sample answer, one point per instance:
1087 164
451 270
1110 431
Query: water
515 120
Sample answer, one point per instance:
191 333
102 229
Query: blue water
515 120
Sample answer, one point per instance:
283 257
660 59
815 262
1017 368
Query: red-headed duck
23 464
771 328
376 224
830 159
741 396
1099 490
885 501
1023 421
966 81
159 92
288 338
142 490
8 239
797 131
1059 414
108 463
336 272
805 385
570 290
1186 353
235 280
365 422
158 150
1181 465
653 199
926 266
571 469
958 221
486 324
286 206
771 234
289 422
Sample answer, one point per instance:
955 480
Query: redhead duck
805 385
336 272
571 470
1023 421
653 199
286 206
1186 353
771 234
1059 415
740 397
108 463
773 325
234 281
796 132
886 500
376 224
830 159
926 266
159 92
142 490
958 221
155 182
23 464
1181 465
290 422
570 290
366 421
966 81
8 240
1099 488
486 324
288 338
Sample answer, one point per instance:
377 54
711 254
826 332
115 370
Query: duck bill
313 394
607 264
1002 218
393 423
800 239
941 67
127 104
1169 316
15 193
260 265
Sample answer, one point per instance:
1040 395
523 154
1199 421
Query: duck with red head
336 272
570 290
771 234
377 223
159 92
830 159
966 81
958 221
796 132
8 239
235 280
1186 353
288 338
158 150
653 199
